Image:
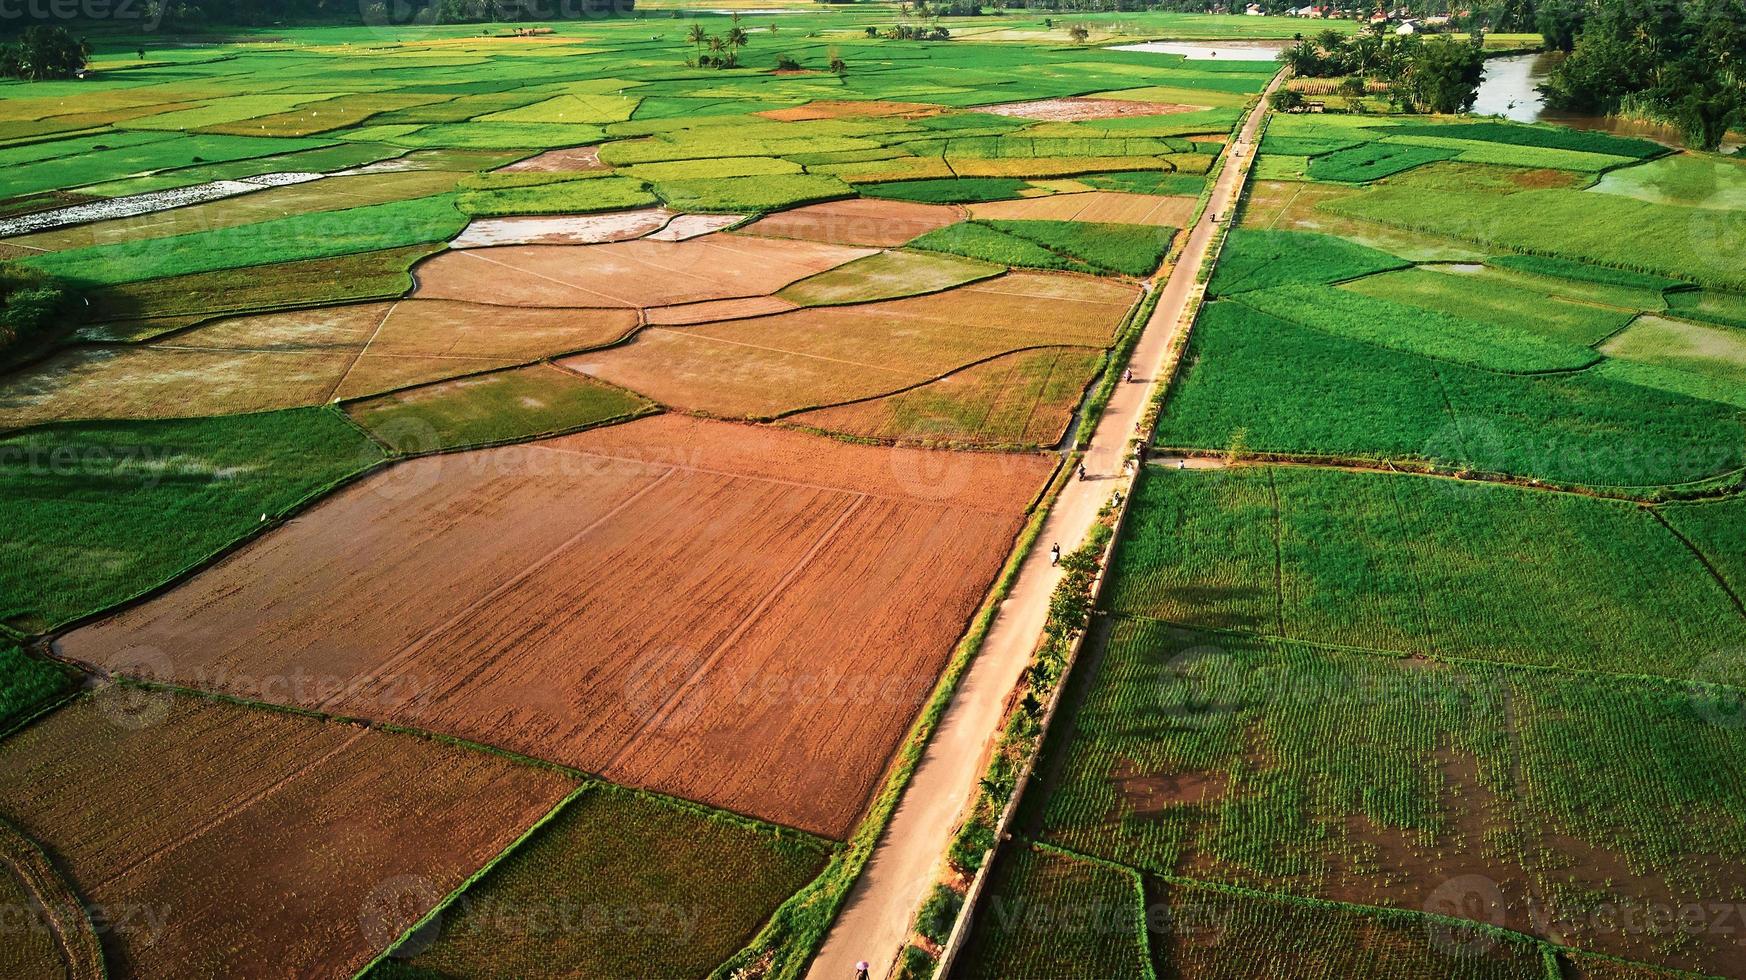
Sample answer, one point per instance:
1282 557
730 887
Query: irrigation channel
875 921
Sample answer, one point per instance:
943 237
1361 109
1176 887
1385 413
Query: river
1509 90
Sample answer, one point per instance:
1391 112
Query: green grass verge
96 513
504 406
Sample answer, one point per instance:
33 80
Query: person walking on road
1082 472
1128 375
861 970
1054 555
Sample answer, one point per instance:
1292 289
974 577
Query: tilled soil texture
306 357
743 616
217 840
857 222
627 274
761 367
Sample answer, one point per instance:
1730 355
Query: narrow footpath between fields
875 920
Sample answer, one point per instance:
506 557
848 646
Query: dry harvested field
1069 110
627 274
228 841
576 159
847 110
765 366
860 221
744 616
305 357
1115 207
47 931
580 229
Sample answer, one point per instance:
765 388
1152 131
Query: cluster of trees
1681 62
1436 73
31 306
724 49
44 52
925 26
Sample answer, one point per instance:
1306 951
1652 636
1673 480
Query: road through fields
875 920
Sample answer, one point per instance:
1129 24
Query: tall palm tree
737 38
696 36
716 46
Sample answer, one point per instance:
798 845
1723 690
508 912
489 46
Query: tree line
1435 73
1680 62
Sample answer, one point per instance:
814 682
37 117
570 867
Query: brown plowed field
846 110
228 841
765 366
607 599
710 311
857 222
305 357
627 274
1111 206
572 160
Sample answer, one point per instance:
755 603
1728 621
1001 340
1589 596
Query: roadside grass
1130 250
1494 572
95 513
493 408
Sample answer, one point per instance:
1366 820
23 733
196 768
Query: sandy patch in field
765 366
576 159
857 222
846 110
261 843
746 616
688 226
575 229
627 274
1068 110
1112 206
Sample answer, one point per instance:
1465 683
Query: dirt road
874 924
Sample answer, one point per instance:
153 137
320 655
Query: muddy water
1509 89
